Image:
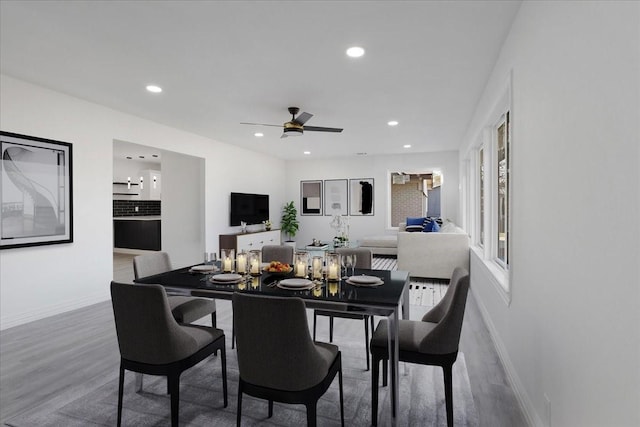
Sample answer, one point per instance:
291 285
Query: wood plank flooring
56 360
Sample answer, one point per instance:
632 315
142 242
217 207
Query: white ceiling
221 63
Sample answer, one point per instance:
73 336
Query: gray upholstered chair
185 309
277 359
364 259
282 253
152 342
432 341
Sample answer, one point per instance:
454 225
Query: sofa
433 254
386 244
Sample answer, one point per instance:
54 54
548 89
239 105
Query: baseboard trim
531 416
7 322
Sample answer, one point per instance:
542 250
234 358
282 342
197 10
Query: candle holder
226 259
241 263
316 267
301 263
333 266
255 257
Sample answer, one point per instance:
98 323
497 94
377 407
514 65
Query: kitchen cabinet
249 241
137 233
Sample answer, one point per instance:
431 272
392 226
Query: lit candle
255 266
241 263
226 265
301 269
333 271
317 267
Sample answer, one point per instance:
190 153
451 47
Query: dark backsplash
128 207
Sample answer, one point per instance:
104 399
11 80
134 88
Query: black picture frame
36 191
310 197
361 197
336 197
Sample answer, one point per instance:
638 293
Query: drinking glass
347 262
353 264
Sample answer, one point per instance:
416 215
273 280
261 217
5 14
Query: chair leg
174 390
341 398
385 372
315 316
366 339
239 410
330 328
214 321
223 359
270 408
311 414
448 392
120 391
375 373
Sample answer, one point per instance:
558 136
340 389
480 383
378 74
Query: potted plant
289 222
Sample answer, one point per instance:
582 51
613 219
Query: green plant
289 222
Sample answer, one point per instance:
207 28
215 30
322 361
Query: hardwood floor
56 360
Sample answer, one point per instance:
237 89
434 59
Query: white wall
41 281
572 330
378 168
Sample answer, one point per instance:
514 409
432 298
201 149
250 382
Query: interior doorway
415 194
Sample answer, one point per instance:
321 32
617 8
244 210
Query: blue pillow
430 225
416 221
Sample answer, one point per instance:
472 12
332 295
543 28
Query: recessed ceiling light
129 157
258 134
142 157
355 52
407 145
307 152
154 155
392 123
154 88
362 153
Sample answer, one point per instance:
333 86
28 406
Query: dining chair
185 309
152 342
277 360
364 259
282 253
432 341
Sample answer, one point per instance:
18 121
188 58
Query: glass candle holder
333 266
300 264
254 262
241 263
226 259
316 267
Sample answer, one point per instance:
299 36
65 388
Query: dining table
388 297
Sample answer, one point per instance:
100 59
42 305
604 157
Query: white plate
295 283
378 283
203 268
296 288
226 277
364 280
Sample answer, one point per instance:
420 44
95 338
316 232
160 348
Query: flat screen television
250 208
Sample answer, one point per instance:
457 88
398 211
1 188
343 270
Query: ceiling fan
296 127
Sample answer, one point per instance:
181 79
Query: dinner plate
296 283
364 280
371 284
226 277
203 268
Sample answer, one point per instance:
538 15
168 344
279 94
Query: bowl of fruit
278 268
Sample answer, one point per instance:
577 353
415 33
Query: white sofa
386 244
433 255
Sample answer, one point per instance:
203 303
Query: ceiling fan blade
260 124
284 135
322 129
302 118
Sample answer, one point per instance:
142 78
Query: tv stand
248 241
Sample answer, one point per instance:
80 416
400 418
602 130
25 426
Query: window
502 188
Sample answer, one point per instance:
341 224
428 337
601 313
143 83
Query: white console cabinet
249 241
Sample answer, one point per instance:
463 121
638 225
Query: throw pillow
413 228
415 221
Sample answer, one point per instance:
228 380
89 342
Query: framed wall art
361 196
336 197
311 197
35 191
